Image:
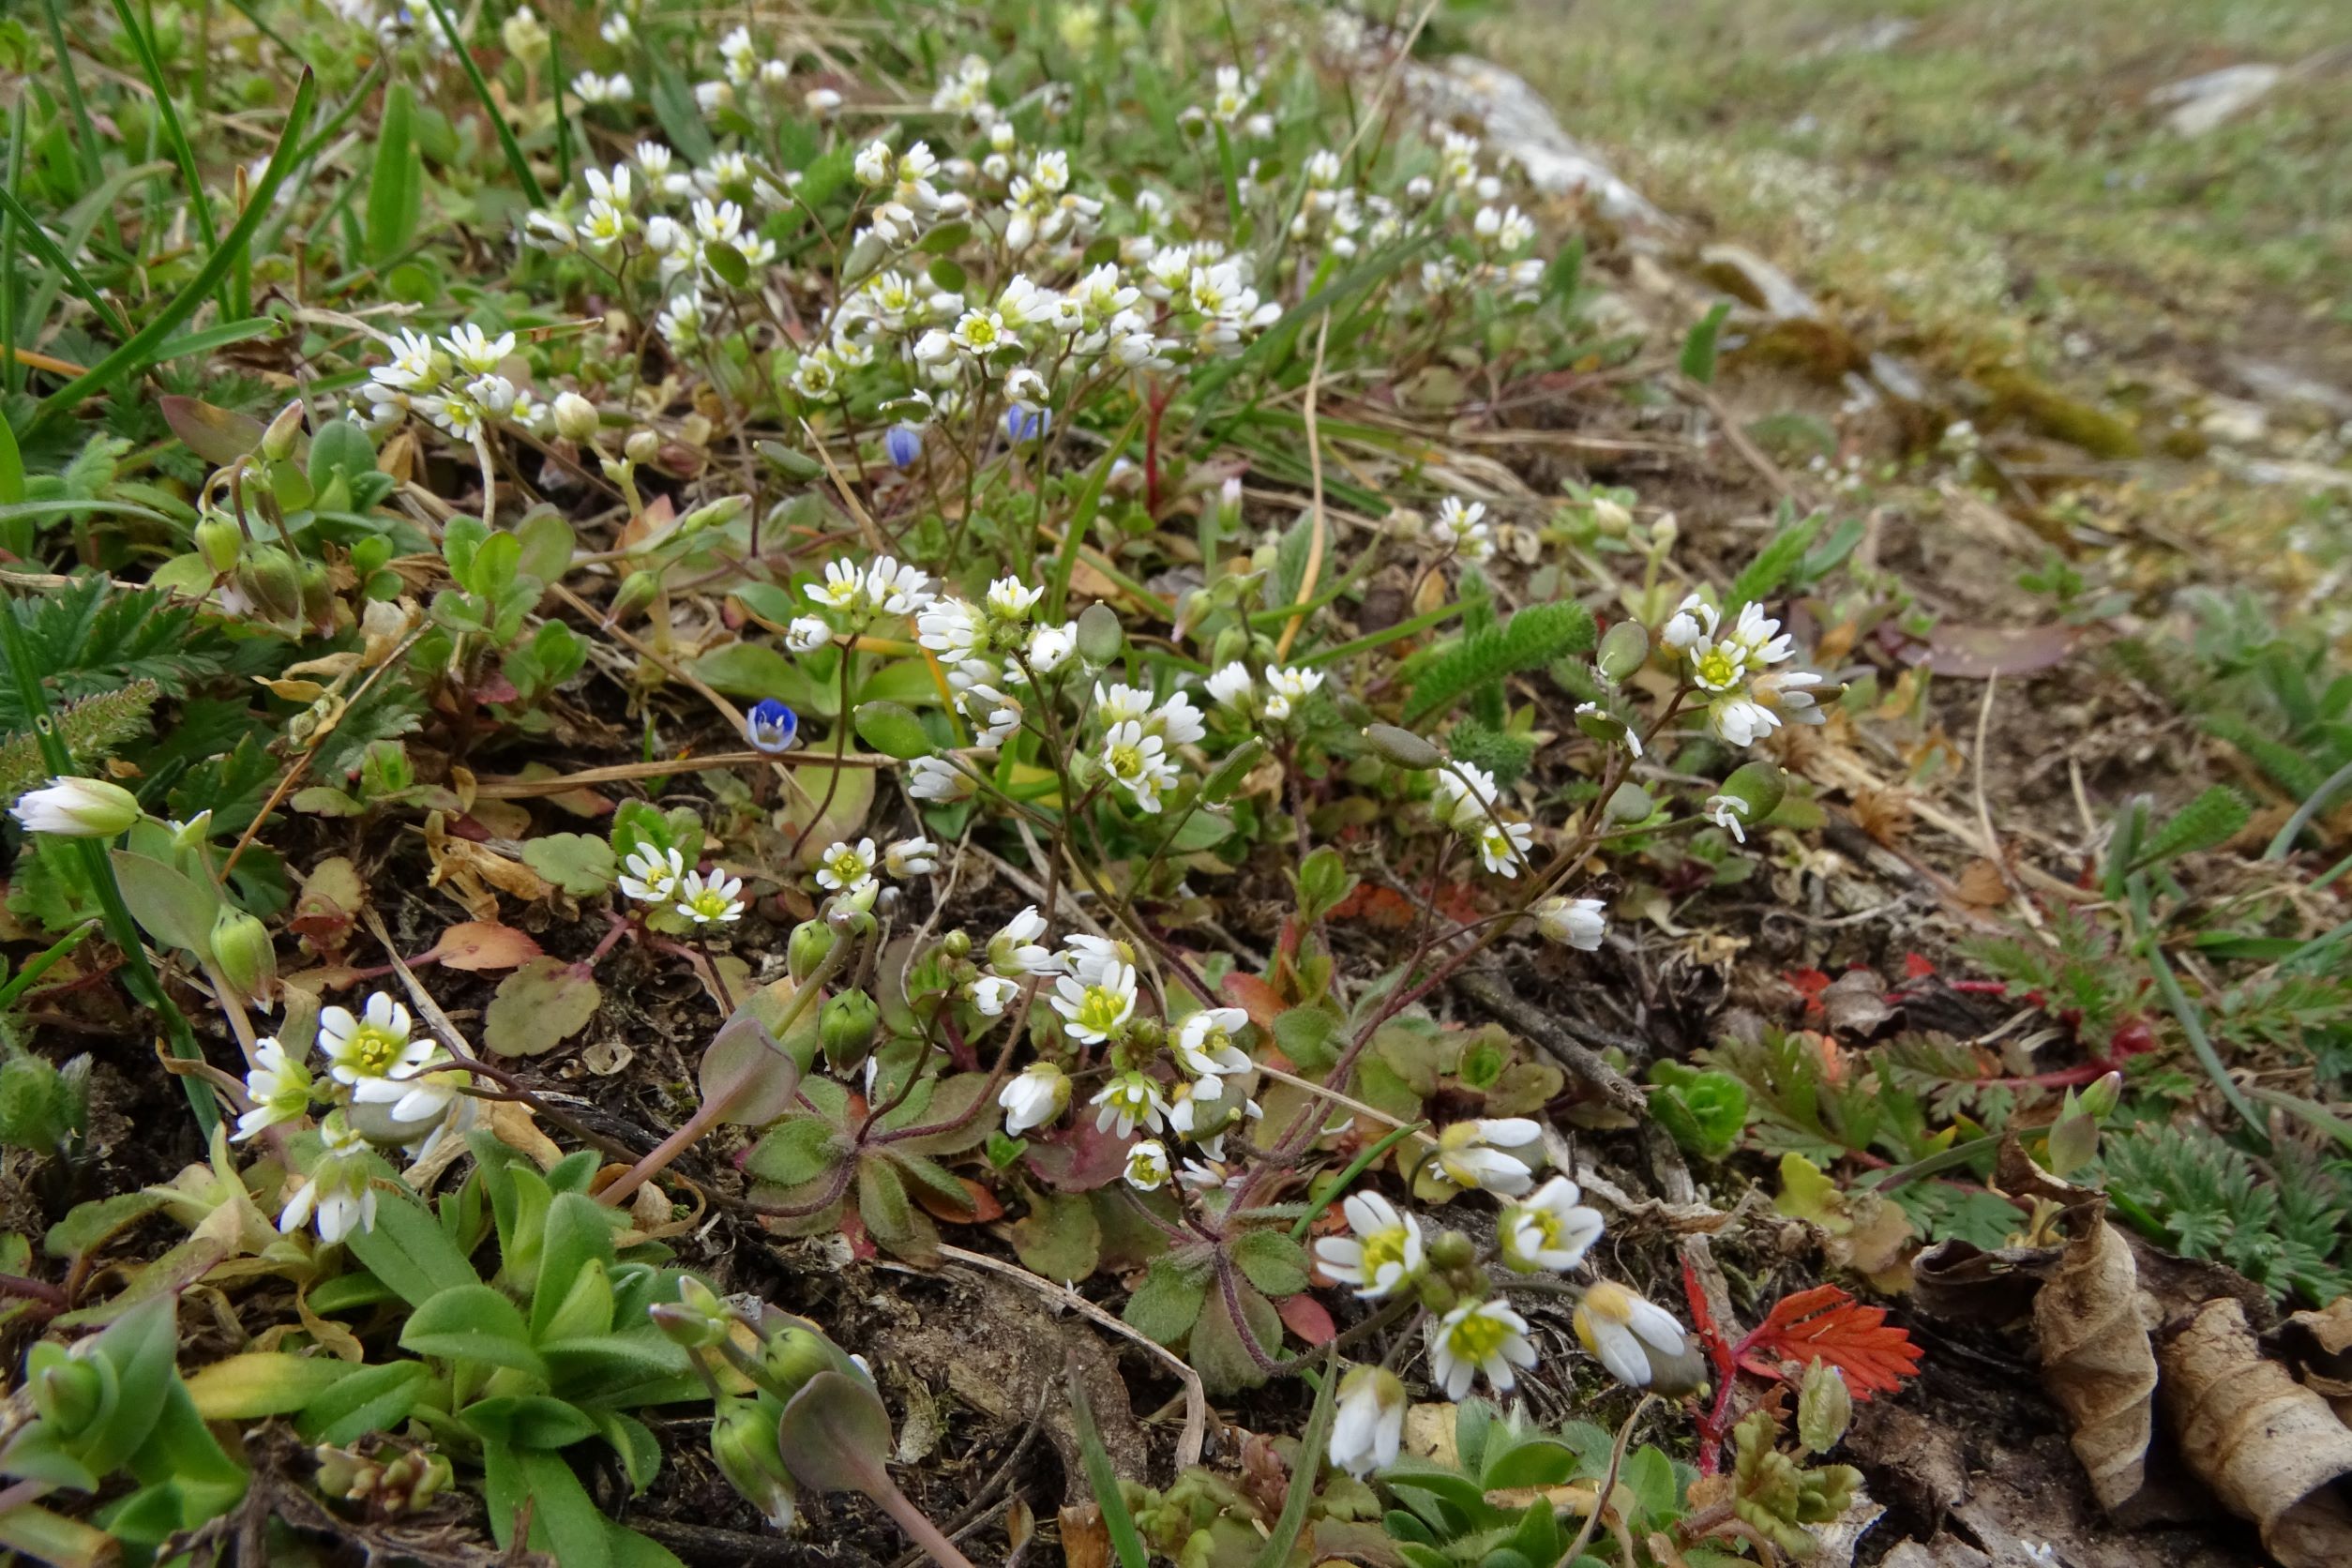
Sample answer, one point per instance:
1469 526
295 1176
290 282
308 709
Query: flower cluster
1467 799
456 381
379 1072
1747 698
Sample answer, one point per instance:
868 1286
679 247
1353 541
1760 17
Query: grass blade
515 161
36 240
1104 1481
1304 1474
1083 518
394 199
174 136
137 354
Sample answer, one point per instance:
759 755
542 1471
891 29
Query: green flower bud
636 592
2099 1100
242 949
576 417
743 1443
796 1352
1625 648
277 441
272 580
716 514
318 593
642 446
219 543
810 940
1233 643
697 1320
1451 1249
847 1024
69 1392
957 943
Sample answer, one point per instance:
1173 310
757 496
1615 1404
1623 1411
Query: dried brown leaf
2271 1448
2096 1362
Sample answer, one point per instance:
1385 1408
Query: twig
1555 1036
501 788
1195 1435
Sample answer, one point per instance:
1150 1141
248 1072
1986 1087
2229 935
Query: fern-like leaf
2213 819
1501 752
92 729
1774 565
1531 638
91 639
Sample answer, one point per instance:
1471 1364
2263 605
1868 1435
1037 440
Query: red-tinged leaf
979 1205
1253 996
218 436
1825 1324
862 1248
1379 906
1916 967
1307 1318
1703 1322
1974 653
482 945
1079 1158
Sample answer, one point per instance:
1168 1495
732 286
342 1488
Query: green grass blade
138 352
86 144
1083 518
174 136
515 161
394 198
10 224
28 228
1276 1551
1104 1481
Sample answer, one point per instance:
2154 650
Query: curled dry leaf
2271 1448
2096 1362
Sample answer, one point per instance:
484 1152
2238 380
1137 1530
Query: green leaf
170 905
2208 821
1774 565
754 670
407 1250
836 1434
371 1399
1218 1350
1534 1461
1271 1261
1104 1481
894 730
577 1234
580 865
473 1322
883 1203
1312 1447
1699 348
395 184
528 1420
1307 1035
1166 1305
1059 1238
538 1008
1532 638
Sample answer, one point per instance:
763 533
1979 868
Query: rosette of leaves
1776 1493
1705 1110
1518 1494
1215 1299
811 1166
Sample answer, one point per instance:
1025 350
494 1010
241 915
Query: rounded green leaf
892 728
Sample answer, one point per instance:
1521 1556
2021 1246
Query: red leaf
1261 1001
1079 1158
483 944
1307 1319
1916 967
1825 1324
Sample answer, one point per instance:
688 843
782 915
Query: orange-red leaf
1827 1324
483 944
1261 1001
1307 1318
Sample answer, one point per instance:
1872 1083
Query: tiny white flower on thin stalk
1549 1228
845 865
1094 1012
713 900
807 634
651 875
1204 1042
1474 1154
990 994
336 1195
1479 1337
1368 1428
936 778
373 1045
1015 949
1128 1101
75 808
910 857
1036 1096
1091 957
1383 1256
1147 1166
1729 812
1627 1334
278 1087
1578 922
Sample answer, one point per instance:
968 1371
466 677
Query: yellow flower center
848 865
1127 762
374 1050
710 904
1382 1248
1098 1010
1478 1337
1719 666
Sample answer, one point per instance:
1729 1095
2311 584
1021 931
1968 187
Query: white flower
336 1194
845 866
1232 687
713 900
1098 1011
1204 1043
1295 684
1549 1228
843 588
415 1096
1731 812
1127 1101
952 628
74 807
1177 721
1369 1427
807 634
936 778
1789 694
1574 922
652 875
1139 762
898 589
1479 1337
1462 528
910 857
1504 846
1739 719
1463 796
1383 1257
874 164
278 1087
1037 1096
374 1046
1091 957
475 349
1050 647
991 994
1147 1166
979 332
1014 950
1622 1331
1120 703
1693 622
1010 599
1471 1154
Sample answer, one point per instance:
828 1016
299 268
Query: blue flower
1027 424
771 727
904 443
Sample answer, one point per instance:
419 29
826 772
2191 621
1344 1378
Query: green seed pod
743 1443
219 543
1451 1249
636 592
277 441
272 580
1100 637
810 940
1625 648
242 949
1629 803
1758 786
847 1024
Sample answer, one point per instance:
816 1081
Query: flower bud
642 446
1452 1249
2099 1101
956 943
242 949
219 543
717 514
1610 516
576 417
272 580
1629 803
1758 786
853 909
903 445
795 1353
847 1024
277 441
69 1392
697 1319
810 940
74 807
318 593
743 1443
1625 648
636 592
